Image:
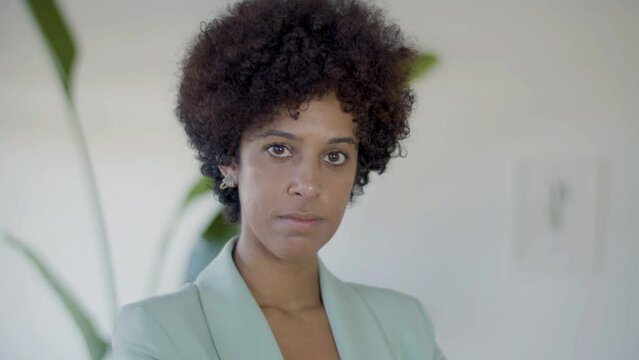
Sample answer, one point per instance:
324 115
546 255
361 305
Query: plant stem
87 167
160 255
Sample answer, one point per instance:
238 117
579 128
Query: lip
301 216
301 220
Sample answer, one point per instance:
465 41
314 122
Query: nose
305 181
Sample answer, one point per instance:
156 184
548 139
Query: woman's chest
302 336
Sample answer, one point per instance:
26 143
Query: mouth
301 220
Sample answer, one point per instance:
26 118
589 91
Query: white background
517 78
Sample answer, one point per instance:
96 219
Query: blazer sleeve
437 352
138 335
439 355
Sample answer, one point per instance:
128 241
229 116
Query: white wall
524 78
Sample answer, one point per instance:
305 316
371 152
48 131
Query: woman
289 104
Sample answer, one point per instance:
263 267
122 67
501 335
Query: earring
228 182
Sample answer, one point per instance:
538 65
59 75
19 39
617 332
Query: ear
229 169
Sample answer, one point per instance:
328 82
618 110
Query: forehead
320 117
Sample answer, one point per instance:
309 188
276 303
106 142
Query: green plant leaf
58 38
422 65
201 187
62 50
97 346
219 230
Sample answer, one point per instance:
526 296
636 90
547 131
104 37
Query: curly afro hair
263 56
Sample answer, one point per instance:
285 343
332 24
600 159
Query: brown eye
278 150
336 158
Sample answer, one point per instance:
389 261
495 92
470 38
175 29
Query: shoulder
160 326
403 318
167 307
395 307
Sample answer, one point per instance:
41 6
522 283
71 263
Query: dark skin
299 322
295 178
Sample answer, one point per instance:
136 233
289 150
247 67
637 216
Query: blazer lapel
240 330
237 324
356 331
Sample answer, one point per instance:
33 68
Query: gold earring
228 182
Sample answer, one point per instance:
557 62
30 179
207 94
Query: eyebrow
287 135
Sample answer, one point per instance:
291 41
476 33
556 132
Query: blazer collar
240 330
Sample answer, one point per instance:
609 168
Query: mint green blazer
216 317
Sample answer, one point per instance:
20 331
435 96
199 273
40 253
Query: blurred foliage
62 50
201 187
422 65
96 345
57 37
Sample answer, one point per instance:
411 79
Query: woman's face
295 178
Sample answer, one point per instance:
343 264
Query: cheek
259 188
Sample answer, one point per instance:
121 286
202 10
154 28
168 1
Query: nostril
303 190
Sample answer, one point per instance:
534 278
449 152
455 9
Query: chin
296 248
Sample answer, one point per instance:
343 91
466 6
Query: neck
274 283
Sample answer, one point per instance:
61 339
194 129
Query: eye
278 150
336 158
